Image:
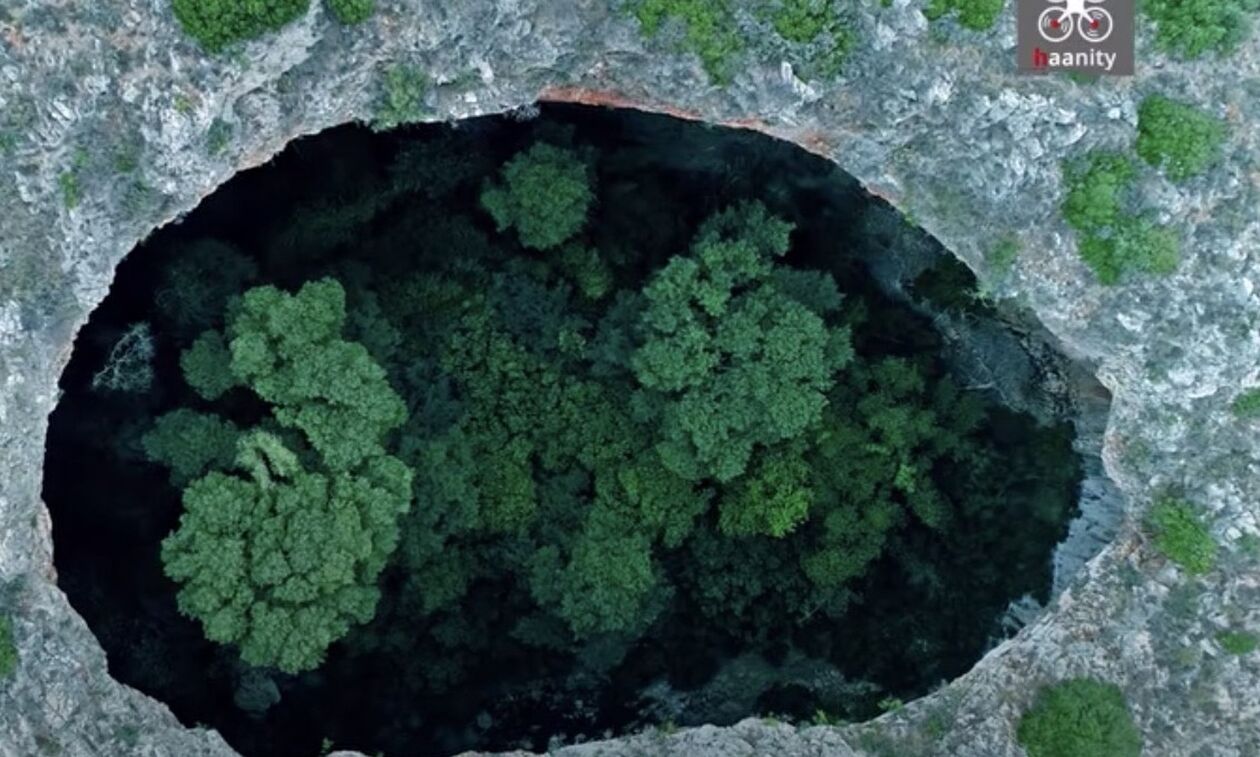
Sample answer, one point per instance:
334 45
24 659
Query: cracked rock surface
931 117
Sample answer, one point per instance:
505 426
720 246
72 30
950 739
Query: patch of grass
1192 28
1178 138
8 650
402 97
216 24
709 30
1080 717
977 15
1238 642
1247 404
352 11
1180 535
1113 241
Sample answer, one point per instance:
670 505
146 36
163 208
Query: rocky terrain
113 123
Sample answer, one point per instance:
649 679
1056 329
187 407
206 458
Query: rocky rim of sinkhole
1173 351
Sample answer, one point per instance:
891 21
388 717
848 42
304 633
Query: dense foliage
1247 404
978 15
1193 28
816 36
219 23
283 535
504 418
1181 139
1238 642
352 11
1080 717
1115 240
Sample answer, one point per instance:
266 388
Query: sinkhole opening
515 433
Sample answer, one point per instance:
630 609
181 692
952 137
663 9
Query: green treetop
545 195
281 541
283 561
729 361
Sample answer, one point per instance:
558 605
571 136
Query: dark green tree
729 361
545 195
281 542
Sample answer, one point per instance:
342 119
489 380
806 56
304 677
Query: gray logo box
1085 36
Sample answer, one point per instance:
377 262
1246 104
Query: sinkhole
518 432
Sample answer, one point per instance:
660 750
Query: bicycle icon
1094 24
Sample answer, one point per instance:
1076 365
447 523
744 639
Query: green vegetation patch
352 11
1247 404
1192 28
545 195
215 24
1080 717
1113 241
402 97
820 29
276 553
1238 642
8 650
1178 138
978 15
817 32
709 30
1181 536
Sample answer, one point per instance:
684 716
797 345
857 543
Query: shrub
402 97
215 24
820 25
1113 241
545 195
1190 28
709 30
1178 138
1247 404
978 15
1181 536
8 650
1238 642
352 11
1079 717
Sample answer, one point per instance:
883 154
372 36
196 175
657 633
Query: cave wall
931 117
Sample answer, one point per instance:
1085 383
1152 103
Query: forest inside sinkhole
520 431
